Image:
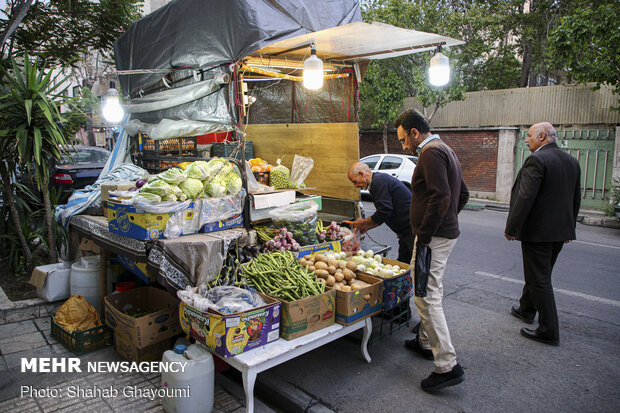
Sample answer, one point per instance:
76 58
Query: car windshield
84 156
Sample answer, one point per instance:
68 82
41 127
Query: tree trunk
89 130
51 236
527 65
8 190
385 138
20 11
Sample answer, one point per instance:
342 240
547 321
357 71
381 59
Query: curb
15 311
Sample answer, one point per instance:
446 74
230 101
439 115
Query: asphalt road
505 372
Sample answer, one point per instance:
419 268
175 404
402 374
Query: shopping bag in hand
422 268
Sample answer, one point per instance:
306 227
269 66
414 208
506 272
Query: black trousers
405 248
538 261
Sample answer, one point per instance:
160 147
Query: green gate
594 149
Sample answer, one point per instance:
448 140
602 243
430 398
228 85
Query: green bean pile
280 275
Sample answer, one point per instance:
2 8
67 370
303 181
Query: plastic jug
197 378
84 280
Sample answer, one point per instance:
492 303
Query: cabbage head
233 183
146 198
219 166
215 188
170 198
198 170
173 176
191 187
157 187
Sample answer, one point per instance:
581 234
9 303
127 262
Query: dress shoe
515 312
533 335
438 381
414 345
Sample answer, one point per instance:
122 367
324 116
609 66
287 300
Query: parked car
78 167
399 166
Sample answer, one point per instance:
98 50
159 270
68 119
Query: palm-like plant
31 134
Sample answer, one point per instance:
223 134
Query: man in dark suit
544 204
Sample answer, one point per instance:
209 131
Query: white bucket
197 380
85 280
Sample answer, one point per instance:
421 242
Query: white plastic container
197 380
85 280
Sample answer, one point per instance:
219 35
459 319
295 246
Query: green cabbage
215 188
233 183
219 166
146 197
198 170
173 176
157 187
170 198
191 187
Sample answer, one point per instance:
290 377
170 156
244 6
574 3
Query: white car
399 166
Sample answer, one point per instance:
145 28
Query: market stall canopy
353 42
206 33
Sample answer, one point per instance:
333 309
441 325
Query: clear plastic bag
299 219
226 300
351 242
300 170
280 176
253 185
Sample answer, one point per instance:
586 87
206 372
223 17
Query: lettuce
173 176
219 166
191 187
146 197
215 188
157 187
198 170
233 183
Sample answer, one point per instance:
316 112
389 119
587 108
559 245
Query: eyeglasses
402 141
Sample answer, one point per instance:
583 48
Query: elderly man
392 200
439 194
544 205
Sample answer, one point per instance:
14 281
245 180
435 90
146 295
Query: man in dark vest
544 205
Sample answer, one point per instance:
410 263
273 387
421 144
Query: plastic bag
299 219
253 185
280 176
300 170
226 299
422 268
352 242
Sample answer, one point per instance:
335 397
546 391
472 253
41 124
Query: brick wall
477 151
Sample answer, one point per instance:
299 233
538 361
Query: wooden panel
333 146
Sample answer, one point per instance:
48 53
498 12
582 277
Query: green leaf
28 106
37 145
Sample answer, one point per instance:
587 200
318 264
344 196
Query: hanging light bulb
439 69
112 110
313 70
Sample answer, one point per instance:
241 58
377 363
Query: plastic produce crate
225 150
83 341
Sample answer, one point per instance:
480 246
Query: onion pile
283 241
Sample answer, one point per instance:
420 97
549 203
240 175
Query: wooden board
332 146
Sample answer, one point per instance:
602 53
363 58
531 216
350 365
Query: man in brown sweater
438 195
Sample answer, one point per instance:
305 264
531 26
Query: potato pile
337 273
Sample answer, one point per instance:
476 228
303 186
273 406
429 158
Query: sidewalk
31 338
586 217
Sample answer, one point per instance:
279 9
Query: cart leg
249 377
103 279
365 338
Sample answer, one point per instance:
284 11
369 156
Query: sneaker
414 345
438 381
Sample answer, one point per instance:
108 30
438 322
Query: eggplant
140 183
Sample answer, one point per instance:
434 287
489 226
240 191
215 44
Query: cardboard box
52 281
232 222
395 289
88 245
162 320
154 352
137 268
353 306
232 334
257 214
272 199
107 188
307 315
323 247
131 222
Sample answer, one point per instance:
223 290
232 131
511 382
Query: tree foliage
585 44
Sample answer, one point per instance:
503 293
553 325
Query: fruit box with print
395 289
232 334
131 222
335 246
353 306
305 316
161 319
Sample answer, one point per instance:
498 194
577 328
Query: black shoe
414 345
515 312
438 381
534 335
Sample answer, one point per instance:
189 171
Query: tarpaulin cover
206 33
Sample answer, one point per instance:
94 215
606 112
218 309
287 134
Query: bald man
392 200
544 205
